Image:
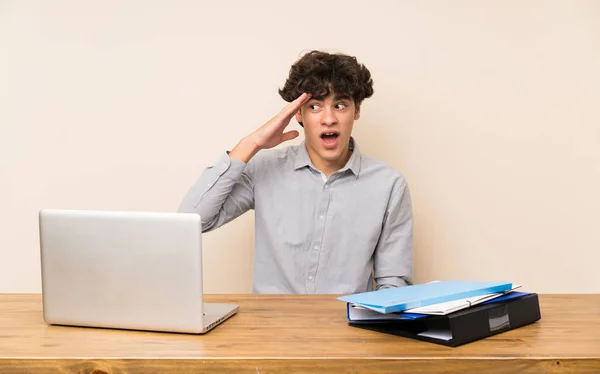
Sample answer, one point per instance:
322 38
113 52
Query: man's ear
299 116
357 112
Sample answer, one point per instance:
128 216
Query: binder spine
494 319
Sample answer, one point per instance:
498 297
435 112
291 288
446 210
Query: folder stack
450 313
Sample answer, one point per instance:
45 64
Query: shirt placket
318 236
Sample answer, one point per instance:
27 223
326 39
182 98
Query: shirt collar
353 164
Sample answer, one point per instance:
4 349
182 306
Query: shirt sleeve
223 192
393 262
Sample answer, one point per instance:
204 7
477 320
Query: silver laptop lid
131 270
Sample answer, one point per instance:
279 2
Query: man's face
328 125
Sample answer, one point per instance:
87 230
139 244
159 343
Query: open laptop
125 270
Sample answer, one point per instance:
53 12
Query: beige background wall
490 109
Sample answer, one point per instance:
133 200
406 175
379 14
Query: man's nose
328 117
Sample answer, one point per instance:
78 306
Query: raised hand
271 133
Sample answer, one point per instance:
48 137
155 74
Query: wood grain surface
296 333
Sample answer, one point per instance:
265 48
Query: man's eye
341 106
314 106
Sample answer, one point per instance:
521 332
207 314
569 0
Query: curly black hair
318 72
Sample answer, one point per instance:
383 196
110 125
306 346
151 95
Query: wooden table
302 333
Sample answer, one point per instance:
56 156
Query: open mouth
329 138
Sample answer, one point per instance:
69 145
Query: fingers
295 105
289 135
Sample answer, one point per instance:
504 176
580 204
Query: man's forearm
244 150
214 195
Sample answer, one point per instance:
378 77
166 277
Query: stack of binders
450 313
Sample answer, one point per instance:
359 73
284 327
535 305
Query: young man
326 216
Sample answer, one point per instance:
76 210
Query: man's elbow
186 208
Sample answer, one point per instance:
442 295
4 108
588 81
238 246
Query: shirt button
321 217
316 248
326 186
310 277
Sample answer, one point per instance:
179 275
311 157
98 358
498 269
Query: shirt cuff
224 163
390 282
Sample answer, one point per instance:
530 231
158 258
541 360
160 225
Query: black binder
463 326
